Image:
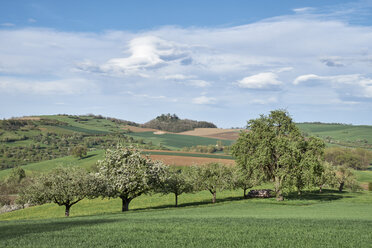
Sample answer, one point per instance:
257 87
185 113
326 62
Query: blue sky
220 61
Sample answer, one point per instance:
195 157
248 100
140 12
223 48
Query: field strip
186 154
188 161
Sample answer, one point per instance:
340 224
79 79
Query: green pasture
90 126
68 161
177 141
198 155
329 219
338 131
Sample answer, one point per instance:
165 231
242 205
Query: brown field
28 118
188 161
216 133
146 150
139 129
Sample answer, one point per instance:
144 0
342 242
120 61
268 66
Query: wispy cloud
264 80
204 100
7 24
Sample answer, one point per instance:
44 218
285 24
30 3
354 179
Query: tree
127 174
213 177
176 182
79 151
16 175
328 176
309 168
63 186
345 178
244 178
274 147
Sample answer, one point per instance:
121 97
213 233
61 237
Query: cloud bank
294 62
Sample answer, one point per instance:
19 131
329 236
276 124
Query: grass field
177 141
68 161
345 133
329 220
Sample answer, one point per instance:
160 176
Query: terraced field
177 141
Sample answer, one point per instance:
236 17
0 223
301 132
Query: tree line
172 123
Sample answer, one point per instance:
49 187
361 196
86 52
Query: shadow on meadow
306 198
326 195
11 231
195 204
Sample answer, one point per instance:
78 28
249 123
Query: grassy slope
177 141
338 132
332 220
68 161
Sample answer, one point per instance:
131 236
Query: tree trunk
67 210
176 198
245 193
214 197
341 187
125 204
278 191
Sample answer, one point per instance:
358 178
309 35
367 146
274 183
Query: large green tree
63 186
127 174
274 147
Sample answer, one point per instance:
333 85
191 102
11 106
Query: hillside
172 123
340 134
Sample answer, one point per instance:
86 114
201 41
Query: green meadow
177 141
329 219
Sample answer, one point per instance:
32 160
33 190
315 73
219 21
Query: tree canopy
274 148
63 186
127 174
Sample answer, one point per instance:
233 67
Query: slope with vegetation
172 123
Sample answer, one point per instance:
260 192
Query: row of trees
126 174
172 123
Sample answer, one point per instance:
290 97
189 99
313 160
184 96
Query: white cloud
31 20
177 77
145 52
198 83
264 80
347 86
204 100
72 86
303 10
304 78
7 24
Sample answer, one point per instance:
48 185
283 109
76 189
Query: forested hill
172 123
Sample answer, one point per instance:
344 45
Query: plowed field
188 161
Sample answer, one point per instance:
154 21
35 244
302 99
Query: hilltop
172 123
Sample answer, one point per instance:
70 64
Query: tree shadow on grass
326 195
88 156
13 230
194 204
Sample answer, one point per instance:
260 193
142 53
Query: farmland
177 141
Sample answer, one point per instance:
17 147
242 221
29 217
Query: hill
172 123
340 134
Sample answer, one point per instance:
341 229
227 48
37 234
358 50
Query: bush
370 186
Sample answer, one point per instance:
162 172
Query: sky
221 61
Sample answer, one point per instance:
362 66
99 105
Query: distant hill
172 123
339 134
